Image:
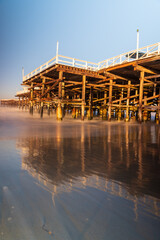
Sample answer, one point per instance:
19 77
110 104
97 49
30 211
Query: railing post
73 62
113 62
137 42
86 64
107 64
147 51
56 58
120 59
57 52
98 66
23 73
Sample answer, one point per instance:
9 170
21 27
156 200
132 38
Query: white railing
22 92
141 53
74 62
40 69
59 59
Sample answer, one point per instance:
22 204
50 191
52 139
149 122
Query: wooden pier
8 102
124 87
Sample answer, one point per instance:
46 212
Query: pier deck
126 86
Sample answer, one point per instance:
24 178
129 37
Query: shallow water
78 180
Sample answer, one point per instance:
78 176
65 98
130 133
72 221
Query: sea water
74 180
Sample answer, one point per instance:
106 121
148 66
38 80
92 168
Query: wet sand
78 180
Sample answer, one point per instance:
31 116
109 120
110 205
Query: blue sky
91 30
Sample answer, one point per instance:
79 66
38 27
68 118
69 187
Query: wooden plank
143 69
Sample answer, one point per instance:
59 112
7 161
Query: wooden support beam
148 81
75 100
128 97
52 87
63 96
114 76
141 95
60 90
125 98
31 99
91 97
50 82
143 69
148 84
110 100
150 98
90 112
106 80
79 71
100 100
105 98
32 89
63 90
48 78
74 82
154 89
114 84
48 94
59 106
43 85
83 96
159 106
145 100
154 76
60 85
122 105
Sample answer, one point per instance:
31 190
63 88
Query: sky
91 30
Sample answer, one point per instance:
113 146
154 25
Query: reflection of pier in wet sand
119 166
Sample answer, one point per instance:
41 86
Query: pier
125 87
